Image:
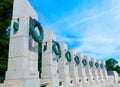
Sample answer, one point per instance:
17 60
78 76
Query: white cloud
100 37
96 29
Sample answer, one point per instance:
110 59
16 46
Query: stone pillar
23 50
81 70
116 77
100 71
96 72
63 67
92 66
49 64
105 75
86 68
73 68
100 74
89 70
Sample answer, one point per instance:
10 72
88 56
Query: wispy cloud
94 16
92 29
99 38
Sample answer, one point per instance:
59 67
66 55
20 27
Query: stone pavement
113 85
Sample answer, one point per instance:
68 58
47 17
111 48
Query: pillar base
33 82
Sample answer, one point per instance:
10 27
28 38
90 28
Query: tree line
112 64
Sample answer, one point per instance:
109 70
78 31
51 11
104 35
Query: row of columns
79 71
57 71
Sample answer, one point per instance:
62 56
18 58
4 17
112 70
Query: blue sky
91 27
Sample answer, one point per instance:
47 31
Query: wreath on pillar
91 64
8 32
96 65
68 56
77 60
84 62
56 49
15 27
37 36
101 65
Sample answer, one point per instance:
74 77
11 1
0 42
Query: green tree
5 19
117 68
112 64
